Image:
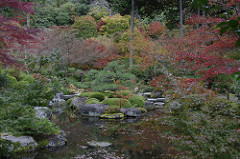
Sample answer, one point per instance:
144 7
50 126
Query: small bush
126 92
193 102
112 109
3 80
137 100
92 101
86 94
86 26
26 77
117 101
223 107
98 95
11 80
22 85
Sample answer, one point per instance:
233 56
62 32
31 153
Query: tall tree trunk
198 15
181 18
58 3
28 20
132 34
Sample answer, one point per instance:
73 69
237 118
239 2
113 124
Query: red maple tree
11 32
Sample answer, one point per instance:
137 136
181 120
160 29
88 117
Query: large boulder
91 110
98 144
78 101
43 112
20 143
56 141
58 105
131 112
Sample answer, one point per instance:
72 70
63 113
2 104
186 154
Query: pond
129 139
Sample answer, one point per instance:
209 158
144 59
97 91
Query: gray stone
157 94
56 140
131 112
58 106
78 101
175 106
21 143
156 99
91 110
149 106
43 112
159 104
147 94
66 97
99 144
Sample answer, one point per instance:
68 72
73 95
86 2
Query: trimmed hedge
100 96
92 101
137 101
116 102
112 109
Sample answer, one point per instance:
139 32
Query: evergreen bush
98 95
137 101
124 103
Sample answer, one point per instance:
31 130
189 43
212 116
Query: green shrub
86 26
21 85
98 95
11 80
126 92
21 119
92 101
117 102
86 94
137 100
112 109
193 102
99 12
104 79
223 107
114 24
3 80
26 77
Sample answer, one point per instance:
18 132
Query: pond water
129 139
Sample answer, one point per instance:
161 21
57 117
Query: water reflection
133 138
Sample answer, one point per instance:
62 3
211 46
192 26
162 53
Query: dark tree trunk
132 34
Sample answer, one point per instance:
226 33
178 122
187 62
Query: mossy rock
69 101
137 101
86 94
100 96
112 109
43 143
143 110
116 102
112 116
92 101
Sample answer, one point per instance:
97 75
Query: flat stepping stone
156 99
112 116
159 104
99 144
